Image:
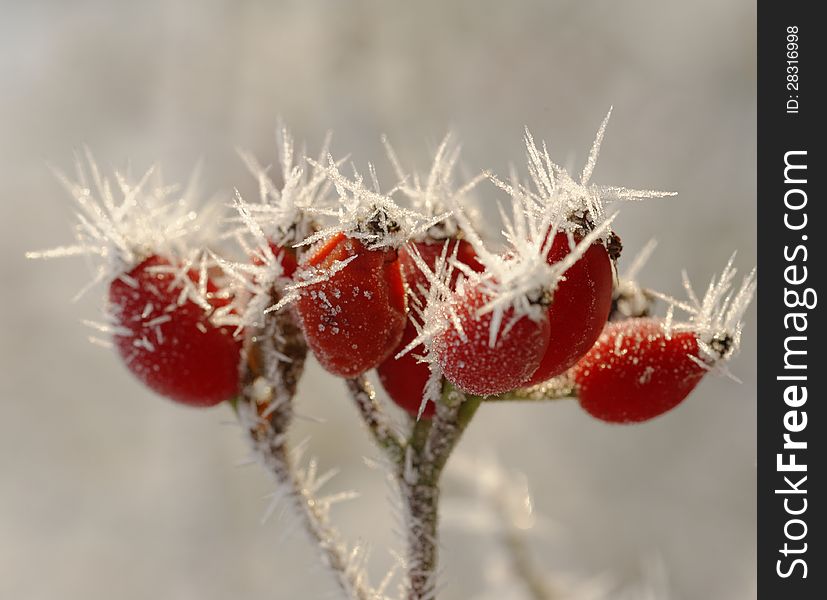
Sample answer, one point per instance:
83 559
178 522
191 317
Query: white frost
717 317
121 221
553 184
368 215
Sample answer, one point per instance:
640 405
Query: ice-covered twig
374 417
428 451
275 359
346 563
503 508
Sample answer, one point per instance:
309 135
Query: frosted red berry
478 368
173 348
404 378
430 251
579 310
636 371
354 318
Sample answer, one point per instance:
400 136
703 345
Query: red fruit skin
475 367
353 320
430 253
579 310
404 378
635 373
192 361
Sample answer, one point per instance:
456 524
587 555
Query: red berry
472 364
430 251
173 349
579 310
404 378
636 372
353 319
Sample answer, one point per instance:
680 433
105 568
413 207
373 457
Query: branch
507 497
346 563
524 565
275 361
377 422
557 388
430 446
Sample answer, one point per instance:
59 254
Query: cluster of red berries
362 289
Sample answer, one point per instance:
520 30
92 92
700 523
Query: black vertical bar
791 558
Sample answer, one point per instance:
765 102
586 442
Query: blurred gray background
107 491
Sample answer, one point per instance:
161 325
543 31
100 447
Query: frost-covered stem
451 418
557 388
271 450
421 500
265 411
430 445
377 422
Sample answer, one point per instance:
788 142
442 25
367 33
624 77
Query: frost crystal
435 193
368 215
717 318
521 279
283 214
584 201
121 222
432 317
258 278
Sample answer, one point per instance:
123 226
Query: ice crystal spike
120 222
368 215
195 288
582 199
717 317
258 278
521 279
430 318
435 193
283 213
306 277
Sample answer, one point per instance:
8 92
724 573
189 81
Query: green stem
428 449
557 388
